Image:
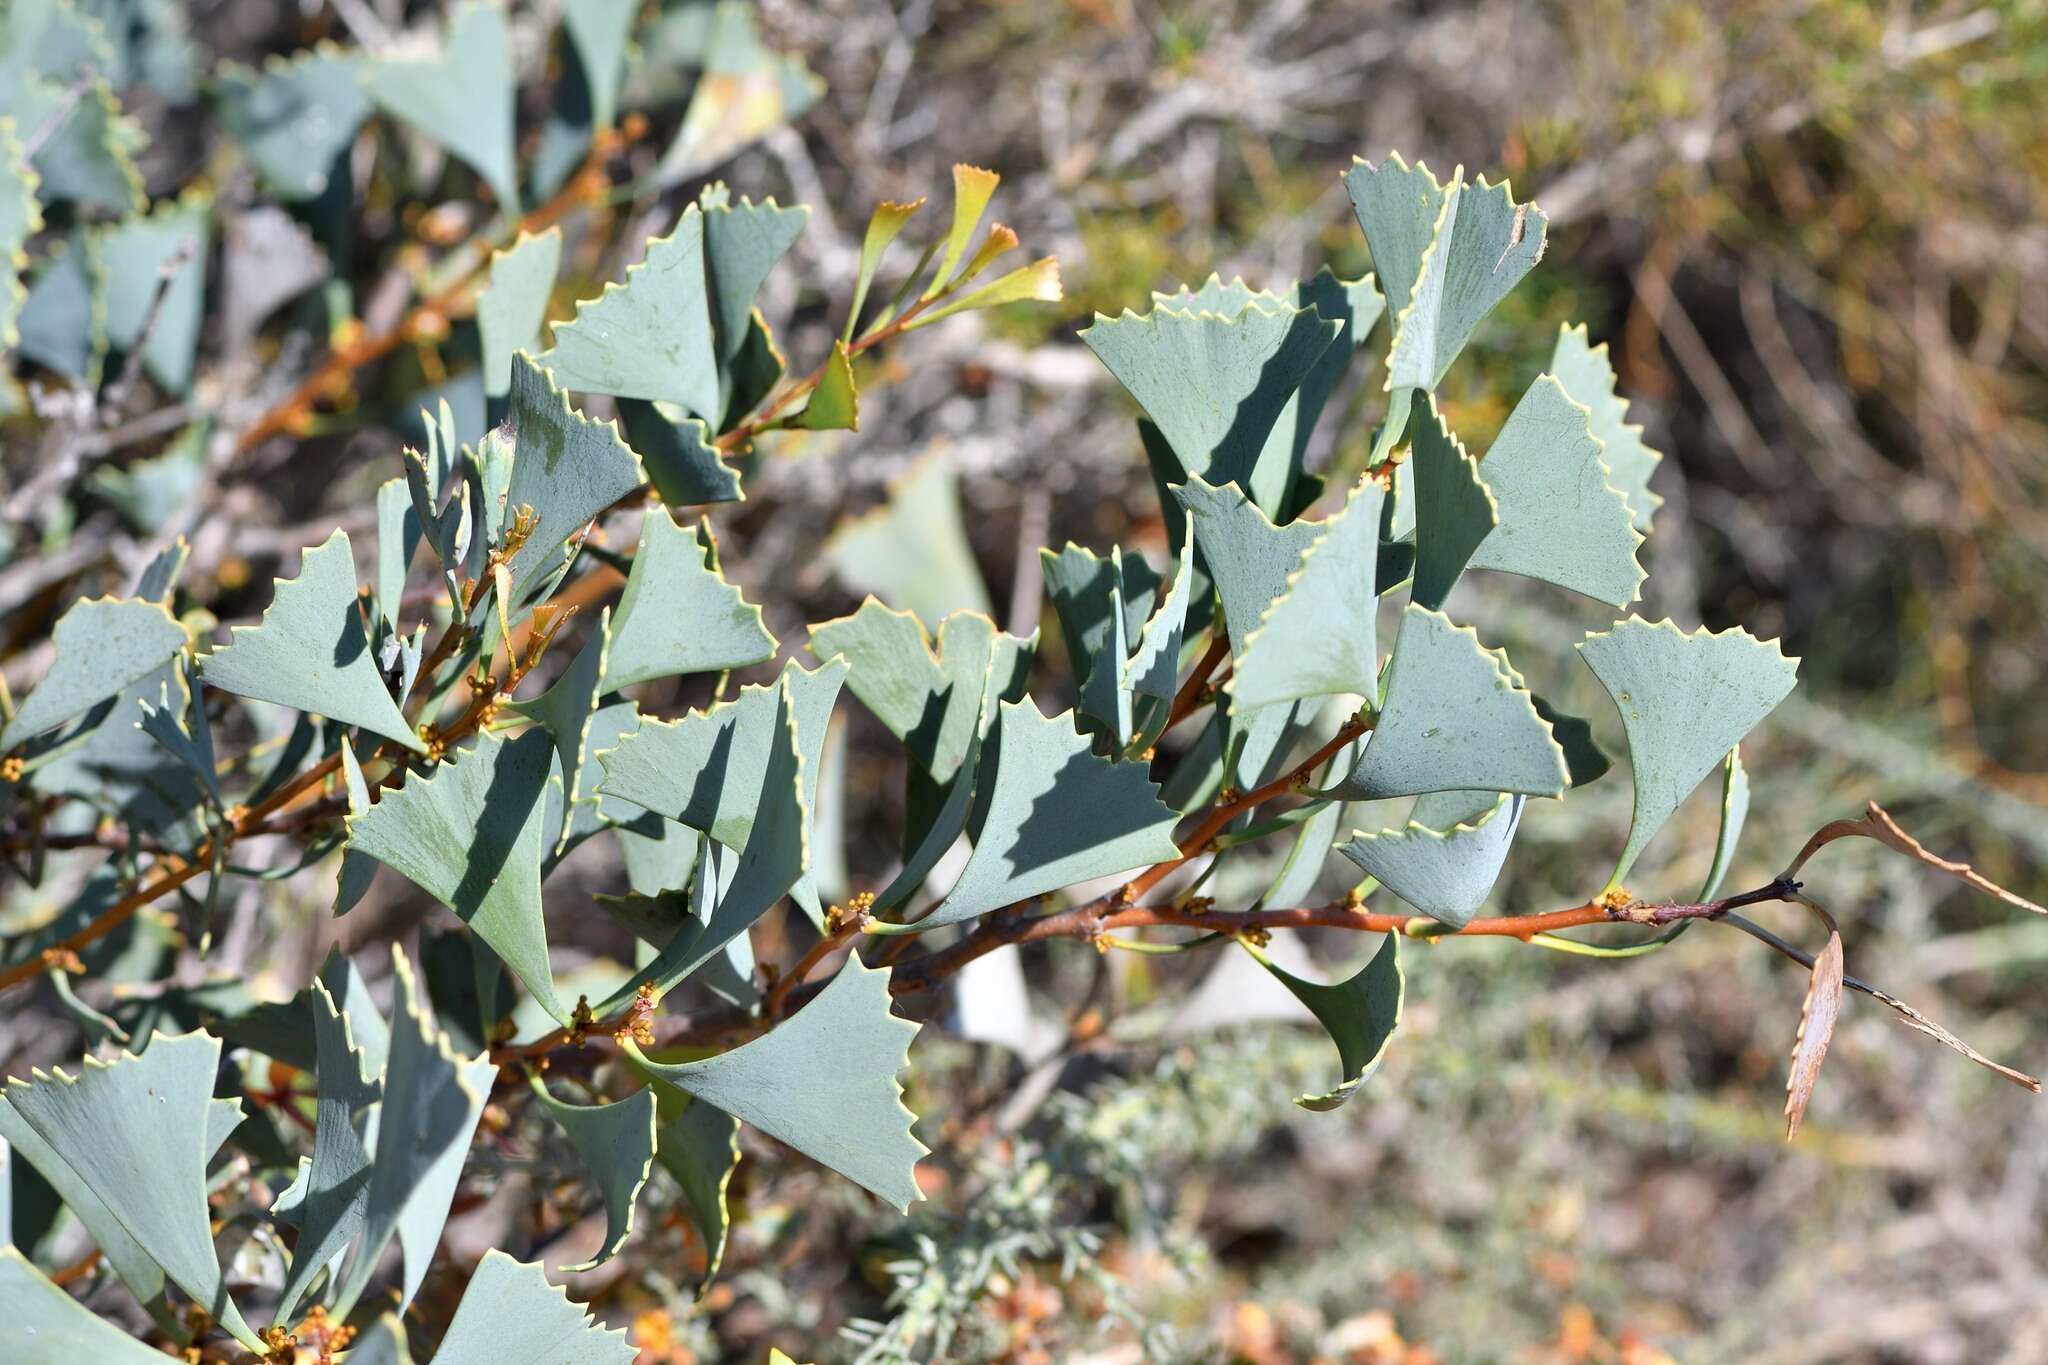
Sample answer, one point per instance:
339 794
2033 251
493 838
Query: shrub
471 737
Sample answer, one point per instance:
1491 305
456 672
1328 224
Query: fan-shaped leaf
1585 374
698 1145
469 835
334 1205
677 615
1443 867
460 97
616 1142
912 552
514 304
1456 719
1454 510
136 256
824 1082
1318 638
650 335
1249 557
742 243
676 450
511 1315
50 1327
569 469
1360 1013
1685 701
600 30
310 651
137 1133
104 646
746 92
294 117
88 157
1053 813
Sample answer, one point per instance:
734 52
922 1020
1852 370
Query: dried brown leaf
1878 824
1817 1018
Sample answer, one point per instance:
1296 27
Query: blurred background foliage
1813 234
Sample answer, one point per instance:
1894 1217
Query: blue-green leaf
1685 701
1454 511
1360 1013
461 96
294 117
616 1142
1318 638
1734 812
514 304
104 646
1249 557
650 335
21 217
676 449
677 615
310 650
334 1205
1445 861
746 91
568 470
912 552
824 1082
1456 718
511 1315
1585 374
699 1146
135 256
50 1327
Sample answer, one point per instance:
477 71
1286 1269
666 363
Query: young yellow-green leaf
973 187
1318 637
461 96
1585 374
294 117
50 1327
569 469
1454 510
929 701
616 1142
1038 282
1249 557
511 1315
912 552
1685 701
514 304
1053 813
1443 862
433 1099
650 335
1456 718
1560 520
677 615
137 1131
1215 386
699 1146
834 405
21 217
824 1082
884 224
310 651
1360 1013
1477 245
104 646
469 835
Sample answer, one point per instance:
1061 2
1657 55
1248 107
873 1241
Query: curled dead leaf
1817 1018
1878 824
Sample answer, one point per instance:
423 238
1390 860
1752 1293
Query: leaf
912 552
773 837
745 93
946 827
1361 1015
1817 1016
461 96
929 701
1444 868
1448 254
513 305
616 1142
570 468
1583 758
104 646
1088 595
469 835
1585 374
648 336
21 217
136 1132
1456 718
824 1082
89 157
973 187
699 1146
1685 701
1054 813
1154 666
884 225
335 1203
834 405
1455 512
1734 812
600 31
677 615
1318 637
677 452
135 255
62 324
51 1327
1560 521
267 260
742 243
310 652
295 117
1879 825
399 533
1249 557
1038 282
511 1315
432 1102
1215 386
